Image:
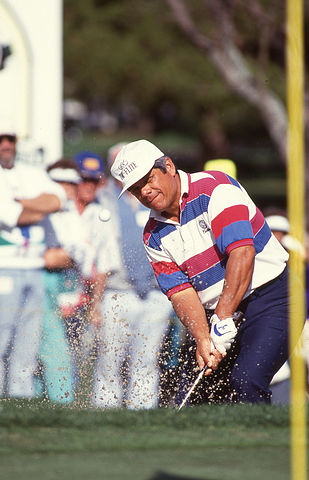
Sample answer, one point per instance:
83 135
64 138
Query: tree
136 53
130 52
242 73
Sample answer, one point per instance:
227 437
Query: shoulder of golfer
201 227
220 236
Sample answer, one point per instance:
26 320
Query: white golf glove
222 333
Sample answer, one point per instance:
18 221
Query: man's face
86 190
158 190
7 150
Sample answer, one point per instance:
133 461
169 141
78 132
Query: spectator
135 316
83 325
27 196
280 384
280 227
63 254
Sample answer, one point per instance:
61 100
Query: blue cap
90 164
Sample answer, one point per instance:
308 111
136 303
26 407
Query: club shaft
197 380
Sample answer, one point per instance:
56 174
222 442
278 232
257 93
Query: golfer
212 251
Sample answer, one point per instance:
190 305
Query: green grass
42 441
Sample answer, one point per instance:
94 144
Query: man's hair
161 164
66 162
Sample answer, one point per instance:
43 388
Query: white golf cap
68 175
279 223
133 162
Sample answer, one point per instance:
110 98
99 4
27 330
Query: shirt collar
184 191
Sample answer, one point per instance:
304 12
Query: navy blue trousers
262 344
259 350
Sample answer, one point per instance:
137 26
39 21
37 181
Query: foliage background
130 64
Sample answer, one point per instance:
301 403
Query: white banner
31 79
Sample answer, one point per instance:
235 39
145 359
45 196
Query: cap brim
122 192
131 184
86 176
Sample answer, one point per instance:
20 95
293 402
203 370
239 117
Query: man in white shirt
27 195
135 314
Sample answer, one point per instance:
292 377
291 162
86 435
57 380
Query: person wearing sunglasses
7 149
27 195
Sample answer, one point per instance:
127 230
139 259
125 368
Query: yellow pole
296 195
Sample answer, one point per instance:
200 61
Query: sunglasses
90 179
10 138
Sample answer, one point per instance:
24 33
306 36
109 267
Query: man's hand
57 258
191 313
206 354
222 333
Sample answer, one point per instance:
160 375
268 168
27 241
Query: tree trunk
231 64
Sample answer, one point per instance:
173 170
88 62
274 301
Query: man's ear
170 167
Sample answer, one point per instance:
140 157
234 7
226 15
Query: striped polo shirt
216 216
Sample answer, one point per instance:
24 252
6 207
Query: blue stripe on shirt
261 238
210 276
167 282
233 181
234 232
200 282
195 208
159 232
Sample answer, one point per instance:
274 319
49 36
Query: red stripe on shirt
203 186
257 222
220 177
178 288
185 195
239 243
207 184
164 267
202 261
150 225
229 215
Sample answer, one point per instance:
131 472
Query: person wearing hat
212 251
8 141
83 321
93 174
27 195
135 316
279 225
64 250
